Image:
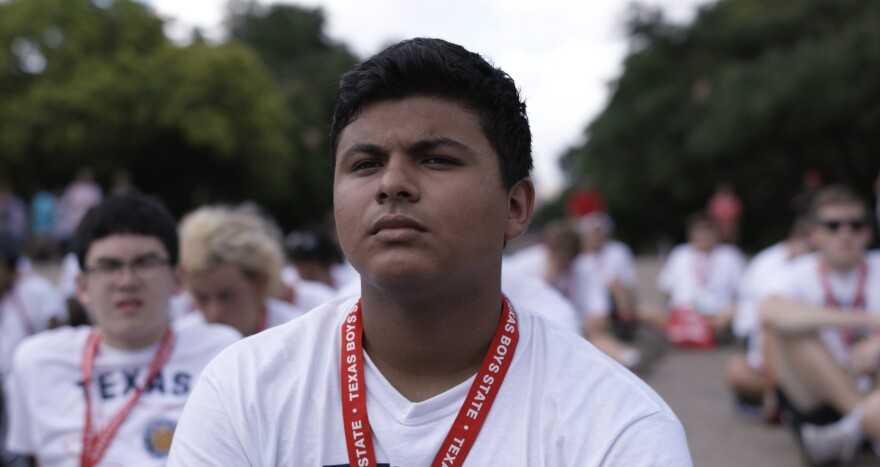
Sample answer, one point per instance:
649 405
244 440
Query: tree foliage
97 83
751 92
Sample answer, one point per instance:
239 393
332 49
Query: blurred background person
613 262
751 376
13 216
700 279
232 259
41 244
554 261
725 208
308 275
80 195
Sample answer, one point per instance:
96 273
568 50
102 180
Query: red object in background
689 329
583 201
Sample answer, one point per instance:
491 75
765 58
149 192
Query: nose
399 180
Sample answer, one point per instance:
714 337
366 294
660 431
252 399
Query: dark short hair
837 195
437 68
134 214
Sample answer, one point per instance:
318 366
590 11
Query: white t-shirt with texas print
275 399
47 406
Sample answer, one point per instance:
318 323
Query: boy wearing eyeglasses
112 393
825 314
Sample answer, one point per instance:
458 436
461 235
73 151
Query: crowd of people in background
804 308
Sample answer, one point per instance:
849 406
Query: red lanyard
96 444
703 267
858 300
470 417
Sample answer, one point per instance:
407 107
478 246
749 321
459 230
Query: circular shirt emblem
157 437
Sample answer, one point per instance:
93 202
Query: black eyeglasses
835 225
112 268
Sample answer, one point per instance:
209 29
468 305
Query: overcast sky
561 53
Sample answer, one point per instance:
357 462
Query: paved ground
692 383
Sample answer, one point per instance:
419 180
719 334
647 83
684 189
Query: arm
786 316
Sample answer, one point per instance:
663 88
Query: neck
130 343
842 267
427 346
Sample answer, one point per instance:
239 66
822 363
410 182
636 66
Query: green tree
751 92
102 86
306 65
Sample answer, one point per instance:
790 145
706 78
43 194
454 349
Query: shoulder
200 336
296 344
61 343
281 312
583 378
34 285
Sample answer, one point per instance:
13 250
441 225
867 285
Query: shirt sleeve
653 441
206 434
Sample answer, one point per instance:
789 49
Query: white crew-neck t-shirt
47 407
704 282
275 399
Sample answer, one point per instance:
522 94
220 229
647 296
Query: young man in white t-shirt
432 160
111 394
703 275
28 304
231 259
825 317
556 262
750 376
613 262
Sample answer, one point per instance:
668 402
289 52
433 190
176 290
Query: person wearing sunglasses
111 394
824 312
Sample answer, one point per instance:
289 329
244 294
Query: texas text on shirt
580 409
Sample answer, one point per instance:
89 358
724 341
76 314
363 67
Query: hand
866 356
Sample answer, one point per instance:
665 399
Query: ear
179 279
82 292
520 204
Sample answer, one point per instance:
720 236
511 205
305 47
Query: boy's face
127 285
226 295
418 195
841 234
703 236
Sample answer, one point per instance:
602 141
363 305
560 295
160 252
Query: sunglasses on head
854 224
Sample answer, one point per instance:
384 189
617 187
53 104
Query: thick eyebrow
419 147
428 145
363 148
112 259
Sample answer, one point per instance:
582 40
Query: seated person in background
555 260
308 275
28 304
825 316
613 262
702 276
750 376
111 394
232 259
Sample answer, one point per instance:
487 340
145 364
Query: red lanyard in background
95 444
